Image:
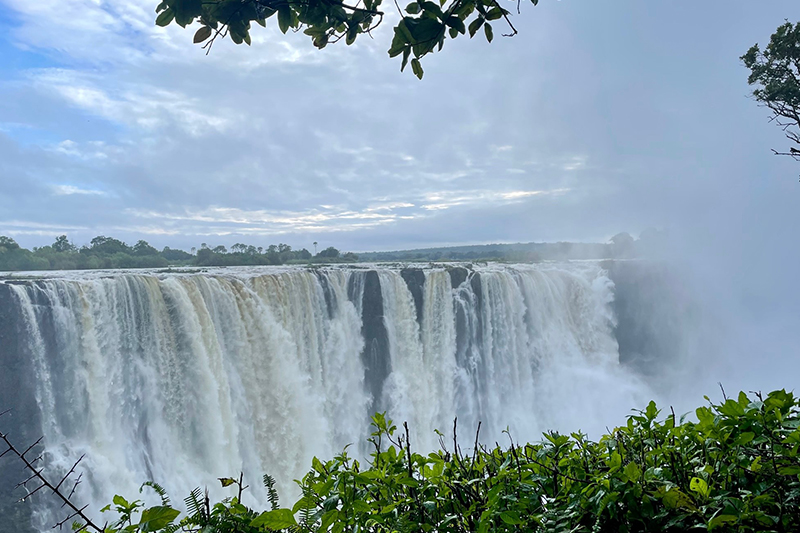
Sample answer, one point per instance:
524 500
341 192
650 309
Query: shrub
733 469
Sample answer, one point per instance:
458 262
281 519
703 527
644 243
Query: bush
734 469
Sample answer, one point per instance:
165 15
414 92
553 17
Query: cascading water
182 378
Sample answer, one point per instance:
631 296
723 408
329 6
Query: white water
182 379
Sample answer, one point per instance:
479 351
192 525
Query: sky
599 117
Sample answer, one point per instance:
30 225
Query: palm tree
315 247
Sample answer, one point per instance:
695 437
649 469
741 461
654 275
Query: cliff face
17 387
652 314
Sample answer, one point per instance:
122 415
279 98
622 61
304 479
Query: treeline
108 253
620 246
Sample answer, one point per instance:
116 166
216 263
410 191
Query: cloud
324 218
135 105
448 199
67 190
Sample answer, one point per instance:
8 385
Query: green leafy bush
734 469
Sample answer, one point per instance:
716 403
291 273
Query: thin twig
77 512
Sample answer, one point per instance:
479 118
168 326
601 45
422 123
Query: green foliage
735 469
329 252
424 25
775 72
109 253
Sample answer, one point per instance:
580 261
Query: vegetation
775 72
423 27
650 242
735 468
107 252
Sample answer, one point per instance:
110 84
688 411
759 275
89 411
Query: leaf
413 8
510 518
475 25
494 14
156 518
675 499
227 481
456 23
417 68
632 472
120 501
487 28
399 44
720 520
166 16
352 32
406 53
306 502
652 411
615 460
328 519
699 486
284 18
423 30
279 519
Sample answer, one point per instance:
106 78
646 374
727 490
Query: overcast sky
598 117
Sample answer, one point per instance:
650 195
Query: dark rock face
377 364
330 296
652 313
22 423
415 280
458 275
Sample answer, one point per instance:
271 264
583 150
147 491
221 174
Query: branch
508 20
793 153
76 512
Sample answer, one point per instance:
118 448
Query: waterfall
181 378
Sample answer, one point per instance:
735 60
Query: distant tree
350 256
423 26
7 244
775 72
62 245
220 249
622 244
315 247
171 254
108 246
304 254
142 248
204 256
329 253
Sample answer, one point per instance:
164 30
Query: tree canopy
424 25
108 252
775 73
